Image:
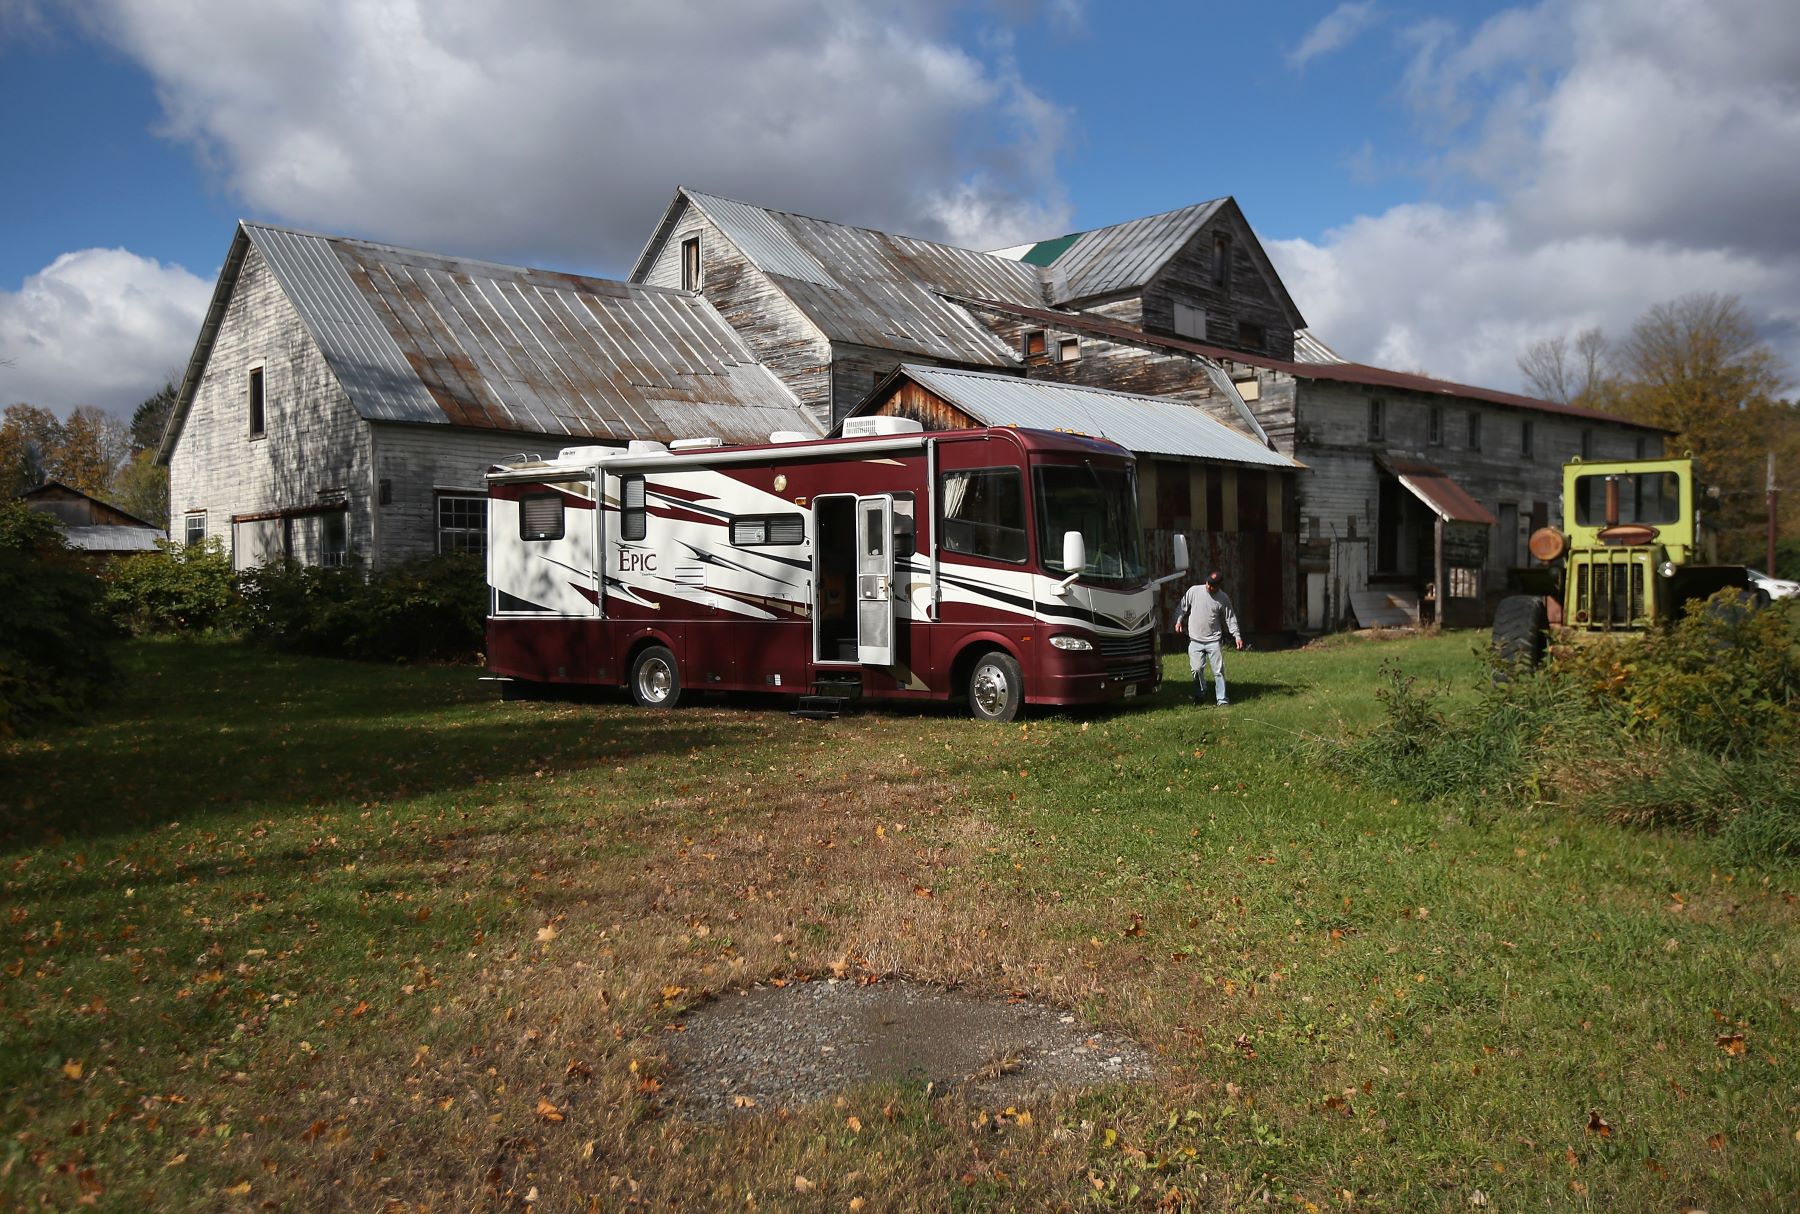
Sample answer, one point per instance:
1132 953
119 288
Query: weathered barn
345 398
1184 305
91 525
1228 493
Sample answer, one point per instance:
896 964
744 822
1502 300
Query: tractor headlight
1071 643
1666 569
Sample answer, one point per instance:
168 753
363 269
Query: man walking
1204 608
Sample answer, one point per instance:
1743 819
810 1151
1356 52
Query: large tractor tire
1521 632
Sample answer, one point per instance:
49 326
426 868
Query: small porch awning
1441 495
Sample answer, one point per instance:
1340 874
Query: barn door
875 580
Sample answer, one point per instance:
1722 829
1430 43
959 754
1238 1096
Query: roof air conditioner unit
584 455
867 427
645 446
695 444
791 436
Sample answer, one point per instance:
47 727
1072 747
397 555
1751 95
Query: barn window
541 516
196 528
1068 349
1587 444
1527 439
1035 343
1474 431
1221 268
462 523
760 529
256 403
634 522
334 540
1377 420
690 264
1251 336
1434 425
1190 321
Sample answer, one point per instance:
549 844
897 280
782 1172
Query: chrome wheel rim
990 691
654 680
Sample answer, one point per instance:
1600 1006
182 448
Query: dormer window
690 264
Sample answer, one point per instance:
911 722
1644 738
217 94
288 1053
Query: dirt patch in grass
768 1048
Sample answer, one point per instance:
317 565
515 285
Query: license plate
1130 690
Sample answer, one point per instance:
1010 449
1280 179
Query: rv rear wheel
655 678
996 688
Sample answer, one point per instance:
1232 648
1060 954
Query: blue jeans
1201 652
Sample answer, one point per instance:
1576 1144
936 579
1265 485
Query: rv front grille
1128 658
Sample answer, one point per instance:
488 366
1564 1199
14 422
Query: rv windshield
1099 502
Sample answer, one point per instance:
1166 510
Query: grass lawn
307 935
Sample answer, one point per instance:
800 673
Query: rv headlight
1667 568
1071 643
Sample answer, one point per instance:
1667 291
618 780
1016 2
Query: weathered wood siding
777 332
422 463
1340 504
313 443
1248 298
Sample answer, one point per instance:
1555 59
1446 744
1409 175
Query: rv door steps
829 700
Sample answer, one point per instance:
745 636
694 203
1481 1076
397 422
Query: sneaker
1224 703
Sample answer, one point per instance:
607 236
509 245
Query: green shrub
177 588
53 637
428 609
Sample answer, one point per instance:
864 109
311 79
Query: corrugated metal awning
1443 496
1148 425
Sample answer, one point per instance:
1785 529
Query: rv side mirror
1074 552
1181 553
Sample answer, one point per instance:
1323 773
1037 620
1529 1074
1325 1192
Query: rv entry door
875 580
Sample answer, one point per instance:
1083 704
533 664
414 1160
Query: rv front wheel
655 678
996 688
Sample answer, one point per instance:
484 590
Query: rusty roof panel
419 337
875 289
1445 498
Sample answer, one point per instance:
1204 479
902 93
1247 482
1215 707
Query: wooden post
1443 591
1774 496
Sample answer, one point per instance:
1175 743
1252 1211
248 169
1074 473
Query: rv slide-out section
1001 565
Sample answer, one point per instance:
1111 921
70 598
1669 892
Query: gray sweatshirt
1201 610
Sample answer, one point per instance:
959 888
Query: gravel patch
769 1047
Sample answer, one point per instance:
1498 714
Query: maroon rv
1002 565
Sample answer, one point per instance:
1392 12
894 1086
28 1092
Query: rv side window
541 516
984 513
636 521
770 529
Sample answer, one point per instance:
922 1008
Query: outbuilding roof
424 338
1148 425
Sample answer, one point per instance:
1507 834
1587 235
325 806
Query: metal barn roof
874 288
419 337
1122 256
1149 425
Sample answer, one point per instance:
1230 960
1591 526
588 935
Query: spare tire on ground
1521 631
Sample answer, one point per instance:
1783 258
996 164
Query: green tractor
1633 554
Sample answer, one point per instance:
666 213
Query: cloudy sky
1439 183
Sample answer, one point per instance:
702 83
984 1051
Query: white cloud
1338 29
1632 153
98 327
557 132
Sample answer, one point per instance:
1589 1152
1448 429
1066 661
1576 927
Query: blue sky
1439 183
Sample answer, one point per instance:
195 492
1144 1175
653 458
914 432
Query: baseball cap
1213 578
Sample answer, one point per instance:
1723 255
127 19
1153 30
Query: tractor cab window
1644 497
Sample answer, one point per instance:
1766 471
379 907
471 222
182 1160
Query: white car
1774 587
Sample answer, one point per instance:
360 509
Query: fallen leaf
855 1124
1716 1141
857 1203
240 1189
547 933
72 1069
1731 1043
802 1185
548 1111
1598 1124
